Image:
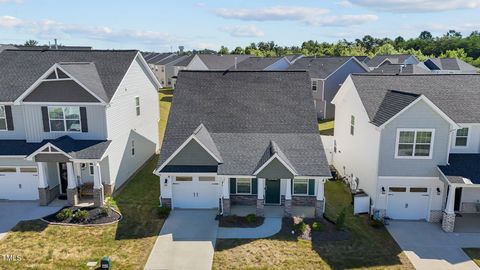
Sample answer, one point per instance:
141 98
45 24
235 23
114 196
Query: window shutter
83 119
254 186
311 187
233 186
8 115
46 124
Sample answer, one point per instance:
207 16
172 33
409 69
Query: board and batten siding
18 133
123 124
34 125
420 116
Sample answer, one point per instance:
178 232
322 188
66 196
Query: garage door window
183 178
206 179
397 189
8 169
28 170
418 189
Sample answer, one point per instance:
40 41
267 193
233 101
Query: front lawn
128 243
474 254
165 97
326 127
368 247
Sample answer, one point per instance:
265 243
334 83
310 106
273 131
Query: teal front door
272 191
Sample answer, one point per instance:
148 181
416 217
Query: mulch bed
328 232
239 222
96 217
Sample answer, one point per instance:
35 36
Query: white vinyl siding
414 143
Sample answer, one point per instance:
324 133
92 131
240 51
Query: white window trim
301 194
467 137
414 143
4 118
236 183
64 120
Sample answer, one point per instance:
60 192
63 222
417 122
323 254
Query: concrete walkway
12 212
186 241
270 227
428 247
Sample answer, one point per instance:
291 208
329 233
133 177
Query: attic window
57 74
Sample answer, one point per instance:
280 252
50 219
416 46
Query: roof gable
320 67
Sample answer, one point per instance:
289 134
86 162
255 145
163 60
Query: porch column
448 221
288 198
260 196
320 198
72 191
43 188
226 196
98 197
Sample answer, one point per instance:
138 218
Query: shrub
64 214
163 211
81 215
301 227
251 218
340 222
317 226
107 207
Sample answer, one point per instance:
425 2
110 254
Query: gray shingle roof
457 95
170 59
185 61
271 150
19 69
221 62
244 111
449 64
393 58
319 67
87 74
462 166
152 57
419 68
257 63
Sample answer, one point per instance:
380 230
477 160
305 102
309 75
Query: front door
272 191
62 170
458 199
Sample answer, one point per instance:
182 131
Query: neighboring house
165 71
412 143
450 65
379 60
74 120
242 138
215 61
419 68
181 65
263 63
156 62
327 75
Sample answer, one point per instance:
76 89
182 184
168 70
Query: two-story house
327 75
73 120
263 63
450 65
412 143
393 59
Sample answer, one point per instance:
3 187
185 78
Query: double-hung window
137 105
300 186
91 169
314 85
414 143
352 125
3 118
64 119
244 186
461 138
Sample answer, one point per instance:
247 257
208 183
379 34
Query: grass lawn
368 248
165 97
128 243
474 254
326 127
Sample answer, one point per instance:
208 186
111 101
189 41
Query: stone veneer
166 202
46 195
98 197
288 208
448 222
226 207
243 199
72 196
435 216
303 200
319 209
260 208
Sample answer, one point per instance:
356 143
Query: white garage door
408 203
195 192
18 183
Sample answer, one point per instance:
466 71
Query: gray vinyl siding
418 116
193 154
34 125
275 170
19 126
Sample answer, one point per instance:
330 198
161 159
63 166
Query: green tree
425 35
31 42
223 50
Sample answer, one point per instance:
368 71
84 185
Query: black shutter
8 115
254 186
233 186
46 124
311 186
83 119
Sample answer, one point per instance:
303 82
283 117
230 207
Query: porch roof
462 166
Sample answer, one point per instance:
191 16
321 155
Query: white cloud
10 22
417 6
310 16
243 31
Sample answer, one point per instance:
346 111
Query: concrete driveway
11 212
186 241
428 247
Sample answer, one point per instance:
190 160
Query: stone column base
260 208
44 196
319 209
98 197
435 216
226 206
448 222
288 208
166 202
72 196
108 189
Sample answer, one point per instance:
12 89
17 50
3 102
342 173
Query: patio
273 211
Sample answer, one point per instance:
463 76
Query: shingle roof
393 58
293 57
362 58
449 64
185 61
152 57
170 59
274 149
244 111
457 95
87 74
221 62
257 63
419 68
319 67
462 166
19 69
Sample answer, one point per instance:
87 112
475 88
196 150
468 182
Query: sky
198 24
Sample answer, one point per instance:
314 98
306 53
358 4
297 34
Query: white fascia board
39 151
150 72
275 156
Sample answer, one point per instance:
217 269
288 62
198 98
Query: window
91 168
352 125
418 189
314 85
64 119
397 189
8 169
3 118
137 105
300 186
244 186
163 69
28 169
133 148
414 143
206 178
183 178
462 137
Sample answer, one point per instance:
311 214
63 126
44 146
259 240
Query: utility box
361 202
105 263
